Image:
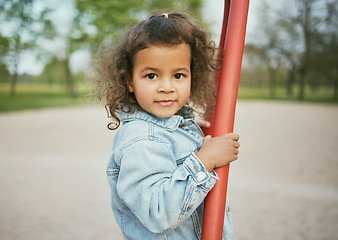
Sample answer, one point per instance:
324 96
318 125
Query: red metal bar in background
214 207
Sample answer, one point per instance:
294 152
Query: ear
130 86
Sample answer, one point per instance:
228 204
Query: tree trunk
306 21
272 82
14 80
15 76
69 80
301 93
290 81
335 85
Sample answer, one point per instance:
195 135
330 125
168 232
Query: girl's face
162 78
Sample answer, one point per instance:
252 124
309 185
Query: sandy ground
284 185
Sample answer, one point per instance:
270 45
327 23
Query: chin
164 115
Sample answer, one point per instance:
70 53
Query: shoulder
143 124
129 131
139 131
137 137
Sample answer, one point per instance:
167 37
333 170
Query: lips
165 103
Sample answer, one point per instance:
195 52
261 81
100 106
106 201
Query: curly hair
116 62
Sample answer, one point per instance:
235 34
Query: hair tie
165 15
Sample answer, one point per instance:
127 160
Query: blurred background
54 145
47 47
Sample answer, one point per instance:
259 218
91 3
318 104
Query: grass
37 96
323 95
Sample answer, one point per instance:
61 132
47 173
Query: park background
47 47
54 143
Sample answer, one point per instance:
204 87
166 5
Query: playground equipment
222 119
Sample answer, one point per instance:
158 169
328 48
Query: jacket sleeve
159 193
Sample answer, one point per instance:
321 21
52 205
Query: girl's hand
219 151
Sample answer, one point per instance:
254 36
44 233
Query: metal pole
211 113
214 206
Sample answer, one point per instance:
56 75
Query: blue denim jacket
157 182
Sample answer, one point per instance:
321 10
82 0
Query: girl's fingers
235 136
236 144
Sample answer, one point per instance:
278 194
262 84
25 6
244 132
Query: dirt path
285 185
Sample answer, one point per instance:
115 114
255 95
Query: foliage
52 73
105 21
100 21
300 47
37 96
295 57
23 27
4 73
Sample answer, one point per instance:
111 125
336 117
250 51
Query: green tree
268 51
53 72
4 47
300 24
301 38
288 46
323 61
24 26
102 22
107 20
331 45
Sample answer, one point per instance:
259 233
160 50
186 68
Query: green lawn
321 95
36 96
33 96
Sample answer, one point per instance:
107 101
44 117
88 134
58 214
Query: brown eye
178 76
151 76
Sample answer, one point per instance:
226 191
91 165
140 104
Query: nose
166 85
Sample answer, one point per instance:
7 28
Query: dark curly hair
116 62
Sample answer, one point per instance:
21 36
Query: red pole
210 117
214 206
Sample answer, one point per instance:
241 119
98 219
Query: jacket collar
171 124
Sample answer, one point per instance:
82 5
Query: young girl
161 168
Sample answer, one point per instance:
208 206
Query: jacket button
201 176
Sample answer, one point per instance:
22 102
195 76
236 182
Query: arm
160 194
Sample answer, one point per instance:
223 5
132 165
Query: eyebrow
183 69
155 69
148 68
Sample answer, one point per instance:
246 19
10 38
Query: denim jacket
157 182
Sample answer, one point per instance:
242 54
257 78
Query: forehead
161 54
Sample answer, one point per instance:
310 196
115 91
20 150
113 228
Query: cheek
142 96
187 91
